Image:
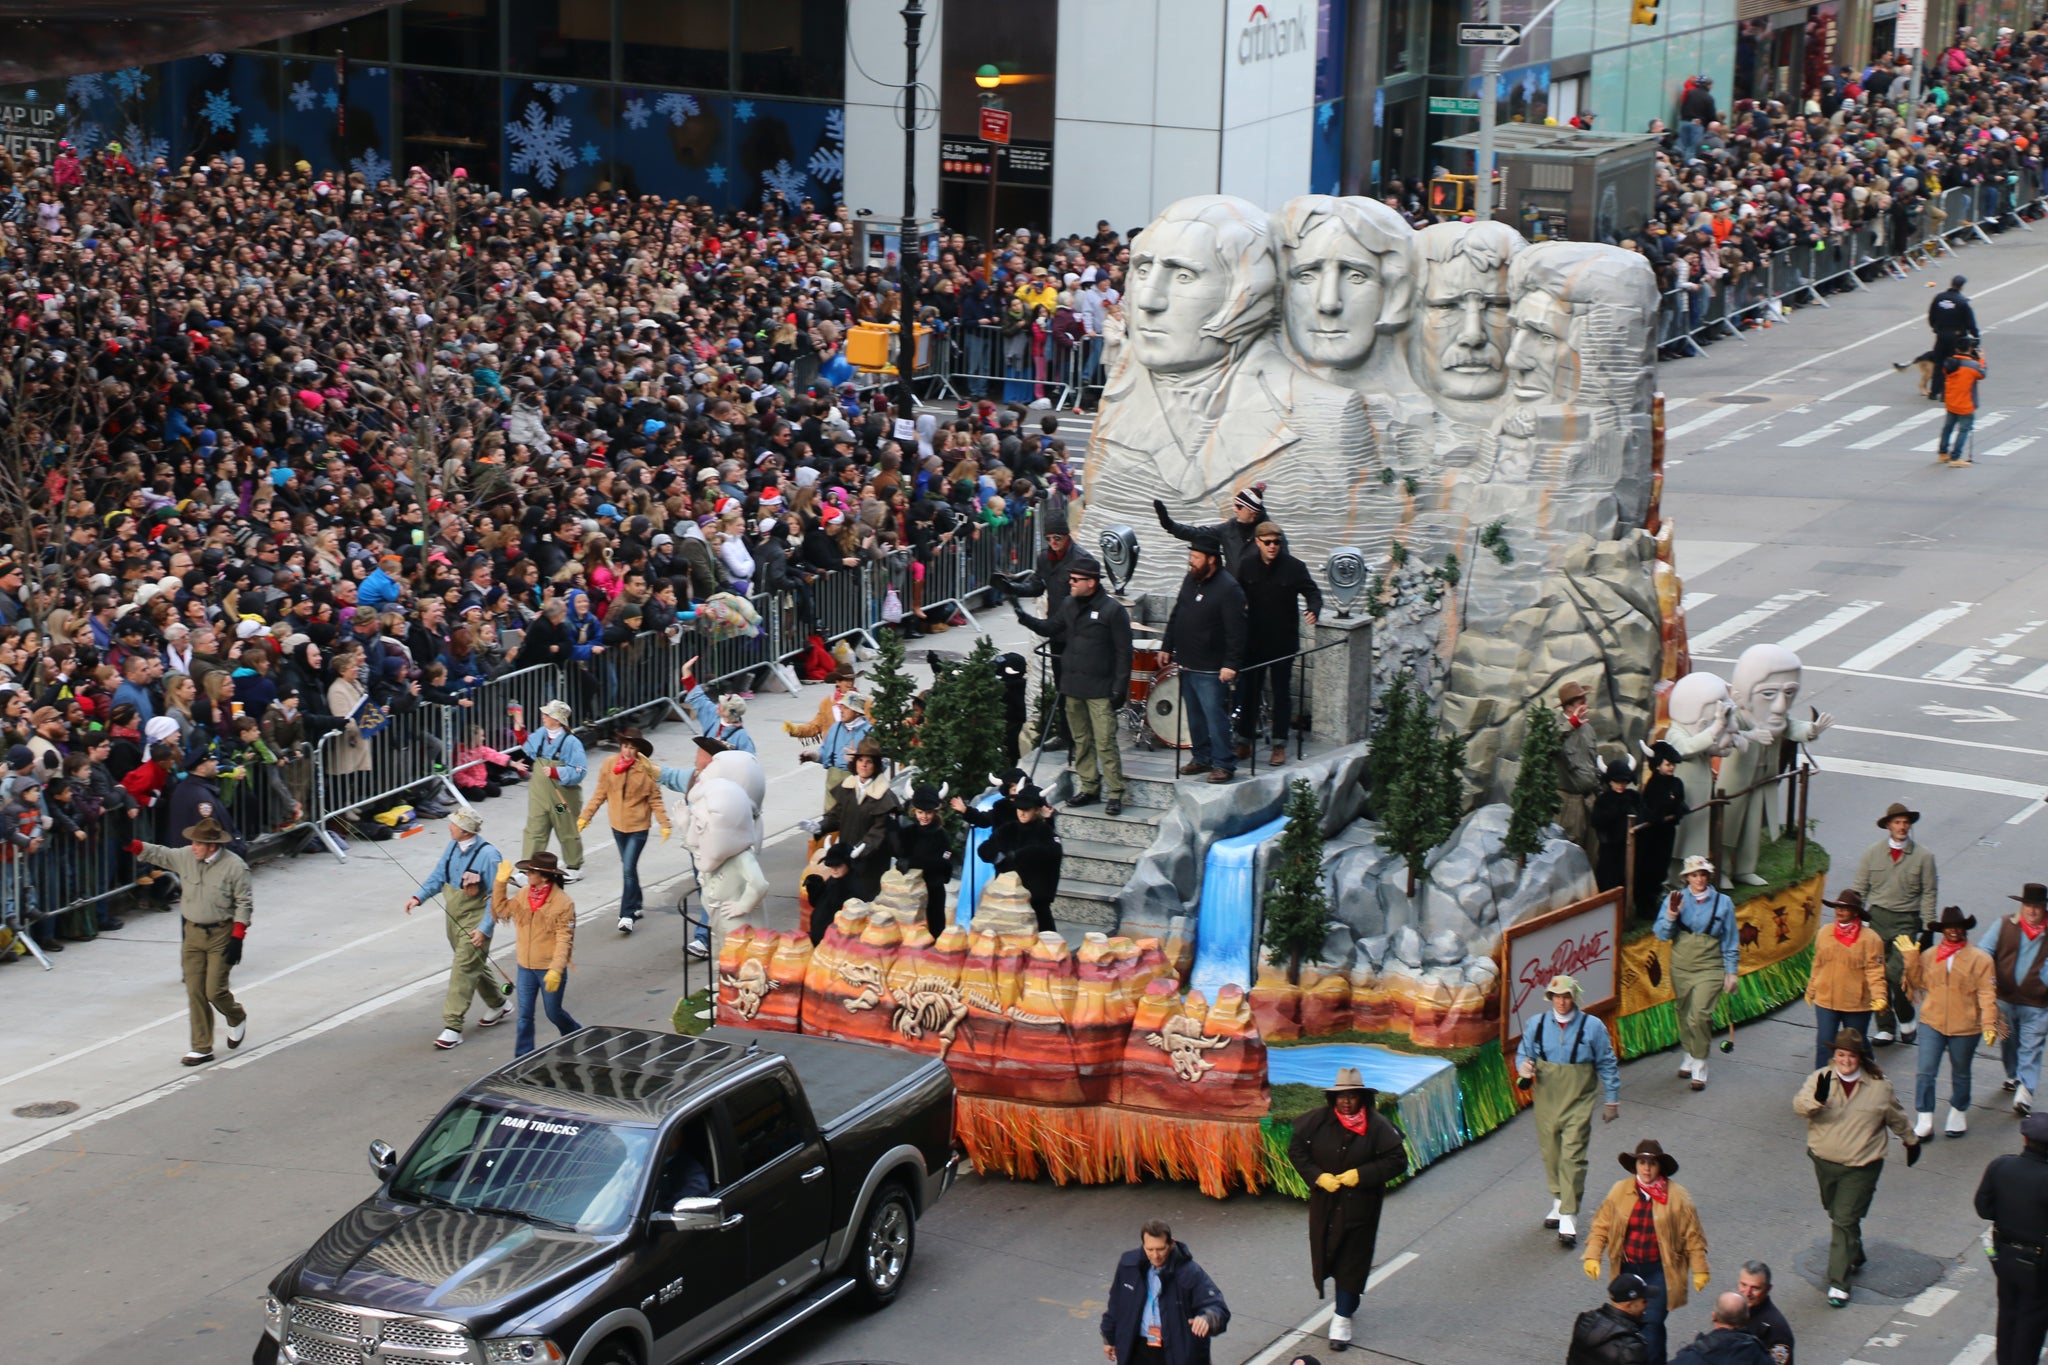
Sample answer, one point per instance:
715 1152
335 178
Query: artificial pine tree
1534 800
1418 779
1387 737
961 741
890 693
1297 902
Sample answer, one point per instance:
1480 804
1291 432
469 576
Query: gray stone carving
1765 691
1704 726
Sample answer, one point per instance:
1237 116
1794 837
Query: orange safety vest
1960 387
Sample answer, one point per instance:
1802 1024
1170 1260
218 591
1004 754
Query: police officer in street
1094 632
463 876
1953 321
2013 1196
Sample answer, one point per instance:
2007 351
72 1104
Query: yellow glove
1349 1178
1327 1182
1990 1037
553 981
1905 944
788 728
1699 1280
665 831
504 872
1592 1267
1878 1004
582 824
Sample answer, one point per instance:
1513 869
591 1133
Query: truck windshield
553 1171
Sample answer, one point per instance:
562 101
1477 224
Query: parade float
1461 430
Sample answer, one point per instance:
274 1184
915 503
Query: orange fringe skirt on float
1099 1144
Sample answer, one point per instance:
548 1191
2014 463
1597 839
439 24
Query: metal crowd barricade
507 703
643 676
409 750
842 599
976 366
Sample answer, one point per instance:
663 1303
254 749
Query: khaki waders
552 809
1696 975
1564 1126
470 973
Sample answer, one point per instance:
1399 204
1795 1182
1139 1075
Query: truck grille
330 1334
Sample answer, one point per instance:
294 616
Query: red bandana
625 764
537 893
1357 1122
1947 950
1845 934
1659 1190
2032 931
1897 854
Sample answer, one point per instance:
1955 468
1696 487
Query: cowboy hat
1564 985
1894 810
542 864
1952 917
2033 893
1570 693
1348 1082
1850 1040
869 747
558 709
1851 900
207 831
1697 863
710 745
627 734
1651 1147
468 821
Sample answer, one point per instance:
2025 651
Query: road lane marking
1693 601
1999 688
2026 813
1700 423
1754 616
1891 433
1906 637
1827 625
1315 1323
2037 681
1980 1348
1834 428
1989 420
1937 777
1942 739
1958 665
1931 1301
2014 446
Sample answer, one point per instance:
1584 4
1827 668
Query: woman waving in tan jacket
629 788
1955 987
1847 981
544 920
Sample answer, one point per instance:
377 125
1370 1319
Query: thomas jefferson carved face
1178 281
1333 295
1538 328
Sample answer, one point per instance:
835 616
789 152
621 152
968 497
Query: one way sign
1489 35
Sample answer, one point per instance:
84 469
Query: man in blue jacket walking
1163 1307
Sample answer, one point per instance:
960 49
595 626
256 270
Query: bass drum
1162 711
1144 668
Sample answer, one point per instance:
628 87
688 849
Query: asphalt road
143 1226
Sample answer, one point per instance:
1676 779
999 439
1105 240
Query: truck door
782 1185
689 1281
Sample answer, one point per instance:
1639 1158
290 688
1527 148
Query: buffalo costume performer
1563 1054
924 845
1347 1151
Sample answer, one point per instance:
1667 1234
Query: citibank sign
1264 38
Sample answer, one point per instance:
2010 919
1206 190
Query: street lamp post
910 263
989 80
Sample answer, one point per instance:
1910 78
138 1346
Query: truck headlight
519 1350
273 1317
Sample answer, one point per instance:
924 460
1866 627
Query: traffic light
1447 193
1644 12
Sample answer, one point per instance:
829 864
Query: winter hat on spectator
160 728
831 516
771 499
806 477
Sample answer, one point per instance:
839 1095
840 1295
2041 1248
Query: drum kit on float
1153 710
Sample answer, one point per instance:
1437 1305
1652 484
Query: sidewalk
328 943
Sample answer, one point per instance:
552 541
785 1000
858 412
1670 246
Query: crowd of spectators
278 448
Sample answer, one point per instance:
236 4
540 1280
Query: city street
144 1224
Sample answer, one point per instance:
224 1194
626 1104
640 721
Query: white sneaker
572 875
449 1038
1340 1333
1907 1032
1923 1125
492 1018
697 948
1567 1230
2023 1101
236 1033
1879 1035
1957 1125
1699 1071
1550 1219
1837 1298
625 924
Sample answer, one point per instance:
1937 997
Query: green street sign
1452 104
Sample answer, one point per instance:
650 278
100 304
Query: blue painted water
1432 1114
1223 925
974 873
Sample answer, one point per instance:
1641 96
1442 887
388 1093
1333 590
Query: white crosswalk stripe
1827 625
1890 435
1977 1352
1985 422
2014 446
1742 621
1693 601
1833 428
1905 638
2037 681
1700 423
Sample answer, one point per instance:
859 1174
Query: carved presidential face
1767 702
1538 326
1177 283
1464 334
1697 700
1333 294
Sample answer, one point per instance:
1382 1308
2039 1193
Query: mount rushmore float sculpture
1460 405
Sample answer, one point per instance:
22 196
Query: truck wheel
888 1236
617 1351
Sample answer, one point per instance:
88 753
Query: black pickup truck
626 1197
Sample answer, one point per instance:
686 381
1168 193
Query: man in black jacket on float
1247 510
1275 584
1612 1334
1163 1307
1054 563
1094 631
1029 848
1954 322
1207 633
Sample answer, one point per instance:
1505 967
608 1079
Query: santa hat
727 507
831 516
771 499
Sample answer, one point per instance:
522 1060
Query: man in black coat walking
1347 1151
1163 1307
1954 321
1279 594
2013 1197
1612 1334
1029 848
1207 632
1094 631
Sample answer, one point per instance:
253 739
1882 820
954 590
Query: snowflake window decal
785 178
259 136
219 111
217 59
540 144
676 107
129 80
142 146
743 110
556 93
636 113
592 154
715 173
331 99
303 96
372 166
87 89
